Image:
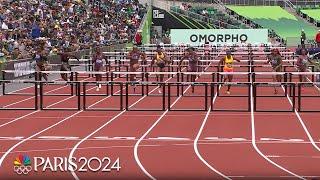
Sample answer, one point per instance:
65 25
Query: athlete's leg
230 78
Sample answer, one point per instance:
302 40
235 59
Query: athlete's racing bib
135 56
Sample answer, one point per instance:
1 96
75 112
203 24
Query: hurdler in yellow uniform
228 61
228 64
160 61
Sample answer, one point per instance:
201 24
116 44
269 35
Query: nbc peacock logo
22 165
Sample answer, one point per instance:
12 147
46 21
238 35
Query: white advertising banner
21 68
219 36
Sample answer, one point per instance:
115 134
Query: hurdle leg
71 79
211 95
107 88
4 83
36 107
111 86
84 98
299 97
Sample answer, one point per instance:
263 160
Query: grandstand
312 15
213 17
191 21
275 18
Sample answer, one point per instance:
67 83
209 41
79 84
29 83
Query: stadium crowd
27 25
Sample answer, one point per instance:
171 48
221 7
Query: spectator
66 23
138 38
303 38
318 38
204 12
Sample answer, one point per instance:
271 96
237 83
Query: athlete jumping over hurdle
98 60
193 59
160 59
227 63
302 64
134 57
65 55
275 61
41 64
207 50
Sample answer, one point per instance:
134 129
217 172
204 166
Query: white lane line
154 115
39 95
103 98
81 148
25 88
254 137
17 119
300 119
108 122
136 156
20 89
29 97
253 134
36 134
145 145
195 142
17 102
303 124
159 139
30 137
58 102
33 112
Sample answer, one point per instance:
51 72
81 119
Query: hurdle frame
107 95
35 95
77 95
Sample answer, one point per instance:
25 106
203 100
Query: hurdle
33 95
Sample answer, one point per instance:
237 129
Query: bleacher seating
284 24
312 15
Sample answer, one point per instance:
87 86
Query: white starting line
161 138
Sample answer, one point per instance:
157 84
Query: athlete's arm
183 58
153 59
143 57
236 59
280 63
221 62
268 60
165 57
298 63
74 56
129 56
197 57
94 58
310 61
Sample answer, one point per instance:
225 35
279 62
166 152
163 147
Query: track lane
120 125
230 132
287 127
29 132
227 134
179 159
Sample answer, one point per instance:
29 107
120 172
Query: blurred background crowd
27 25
